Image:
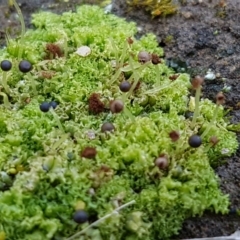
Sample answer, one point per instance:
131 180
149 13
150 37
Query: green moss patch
55 162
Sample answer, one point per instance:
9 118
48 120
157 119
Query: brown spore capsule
173 77
155 59
107 127
197 82
220 98
162 162
116 106
214 140
144 57
89 152
130 40
174 135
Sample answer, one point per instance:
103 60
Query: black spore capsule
80 216
45 106
6 65
195 141
53 104
25 66
125 86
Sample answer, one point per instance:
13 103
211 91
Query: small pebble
83 51
218 75
91 134
210 75
108 9
187 15
224 151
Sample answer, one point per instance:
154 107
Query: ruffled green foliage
42 174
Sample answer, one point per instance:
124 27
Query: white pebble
83 51
225 151
210 75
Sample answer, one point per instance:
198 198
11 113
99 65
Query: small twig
101 219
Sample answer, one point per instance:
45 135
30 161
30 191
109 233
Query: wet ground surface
205 35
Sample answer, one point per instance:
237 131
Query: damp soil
203 35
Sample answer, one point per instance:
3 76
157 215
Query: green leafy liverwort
60 178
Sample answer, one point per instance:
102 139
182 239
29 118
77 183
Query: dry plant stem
65 47
119 60
115 51
33 83
23 29
115 76
211 123
4 82
126 111
5 100
158 74
208 147
124 53
159 88
56 118
136 78
60 141
125 96
101 219
196 111
7 37
136 75
128 114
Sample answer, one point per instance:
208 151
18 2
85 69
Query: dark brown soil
202 34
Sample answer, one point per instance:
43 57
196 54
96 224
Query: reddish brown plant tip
100 176
89 152
116 106
220 98
162 162
173 77
144 57
129 40
197 82
95 105
47 75
214 140
105 168
28 100
174 135
53 51
155 59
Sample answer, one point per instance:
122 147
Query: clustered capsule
45 106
